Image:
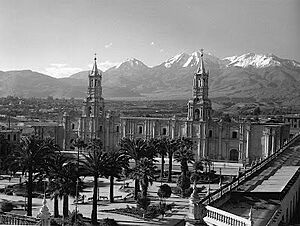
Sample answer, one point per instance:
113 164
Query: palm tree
96 164
31 157
54 166
196 175
171 146
54 170
62 180
184 155
117 162
160 147
144 172
136 149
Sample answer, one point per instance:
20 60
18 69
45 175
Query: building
217 139
95 122
294 121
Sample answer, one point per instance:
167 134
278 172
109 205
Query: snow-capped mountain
130 64
248 75
178 60
258 61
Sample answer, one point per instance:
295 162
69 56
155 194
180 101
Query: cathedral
216 139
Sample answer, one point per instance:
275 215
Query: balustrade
15 219
220 217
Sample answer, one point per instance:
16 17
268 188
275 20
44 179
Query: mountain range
258 76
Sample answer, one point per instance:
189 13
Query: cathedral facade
216 139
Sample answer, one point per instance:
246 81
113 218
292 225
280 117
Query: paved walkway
178 213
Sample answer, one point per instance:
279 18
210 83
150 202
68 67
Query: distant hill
258 76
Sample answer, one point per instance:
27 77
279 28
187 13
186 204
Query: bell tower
92 119
199 108
94 103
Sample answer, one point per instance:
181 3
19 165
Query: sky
60 37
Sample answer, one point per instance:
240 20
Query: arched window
210 133
234 155
8 137
73 126
197 114
140 129
15 137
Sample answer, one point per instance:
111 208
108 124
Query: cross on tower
201 50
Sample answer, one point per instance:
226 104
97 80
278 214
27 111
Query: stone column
273 142
247 144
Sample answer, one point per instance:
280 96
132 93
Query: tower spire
201 68
95 68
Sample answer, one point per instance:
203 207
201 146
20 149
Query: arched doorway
234 155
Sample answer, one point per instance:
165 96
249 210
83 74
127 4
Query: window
8 137
210 133
101 129
15 137
140 129
234 134
118 129
197 114
73 126
164 131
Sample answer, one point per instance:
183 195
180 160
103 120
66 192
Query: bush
187 192
6 206
164 191
108 222
143 202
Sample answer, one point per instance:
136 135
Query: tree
31 157
164 191
55 174
158 146
96 164
4 144
184 155
171 146
79 144
196 175
144 172
54 168
117 161
136 149
63 180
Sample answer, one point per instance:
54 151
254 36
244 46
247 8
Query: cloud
161 50
152 43
61 70
103 66
108 45
58 65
